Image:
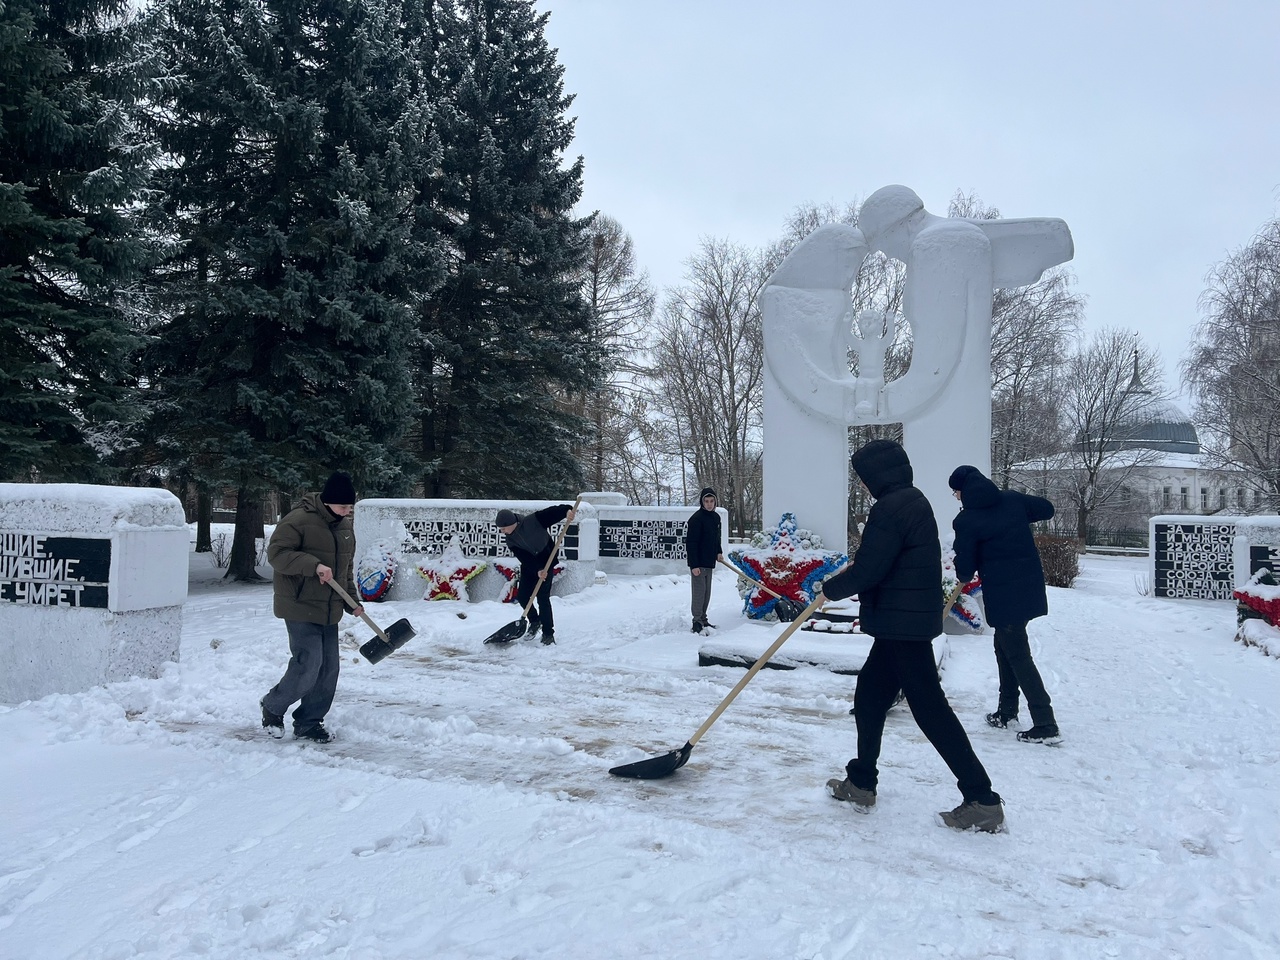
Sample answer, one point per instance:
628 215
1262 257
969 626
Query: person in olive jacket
530 540
993 538
896 574
312 545
702 549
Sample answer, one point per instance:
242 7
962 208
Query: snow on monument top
86 508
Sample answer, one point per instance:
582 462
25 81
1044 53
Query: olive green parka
306 537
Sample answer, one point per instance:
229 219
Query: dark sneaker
549 637
535 628
1000 720
972 815
1046 733
697 627
271 722
862 800
317 734
710 626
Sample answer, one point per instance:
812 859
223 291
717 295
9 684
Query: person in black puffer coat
702 549
993 538
897 576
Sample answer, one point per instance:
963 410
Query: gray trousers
311 677
701 589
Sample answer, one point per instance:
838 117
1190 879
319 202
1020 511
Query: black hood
883 466
976 490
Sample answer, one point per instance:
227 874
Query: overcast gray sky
1150 127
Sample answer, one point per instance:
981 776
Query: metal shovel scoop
786 608
387 641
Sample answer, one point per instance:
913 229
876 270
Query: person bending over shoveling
528 539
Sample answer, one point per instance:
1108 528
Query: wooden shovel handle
951 600
524 614
758 583
333 582
759 665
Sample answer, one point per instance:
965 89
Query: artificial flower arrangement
789 560
447 575
967 610
1259 599
510 570
1258 613
375 571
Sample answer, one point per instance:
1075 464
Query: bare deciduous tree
1032 330
1104 398
620 299
708 364
1233 365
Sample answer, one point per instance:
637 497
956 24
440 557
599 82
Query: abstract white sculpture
943 400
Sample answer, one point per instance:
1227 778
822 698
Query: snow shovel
655 768
786 608
517 629
387 641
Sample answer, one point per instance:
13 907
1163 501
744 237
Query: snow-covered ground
464 809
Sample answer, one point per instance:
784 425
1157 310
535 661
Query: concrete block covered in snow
92 582
420 530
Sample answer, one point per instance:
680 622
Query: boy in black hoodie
897 576
993 538
702 548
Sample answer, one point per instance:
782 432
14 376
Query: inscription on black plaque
1193 560
478 538
1263 557
51 571
643 539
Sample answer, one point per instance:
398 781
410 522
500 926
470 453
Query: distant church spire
1136 385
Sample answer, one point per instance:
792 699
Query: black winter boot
1042 733
271 722
316 734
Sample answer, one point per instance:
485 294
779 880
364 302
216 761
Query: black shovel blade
509 633
399 633
787 610
655 768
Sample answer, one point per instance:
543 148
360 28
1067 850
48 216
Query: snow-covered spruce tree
509 327
71 165
290 129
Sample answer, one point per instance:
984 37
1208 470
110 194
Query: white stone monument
943 401
92 582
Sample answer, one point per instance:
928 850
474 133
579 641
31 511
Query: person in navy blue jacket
896 574
993 538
